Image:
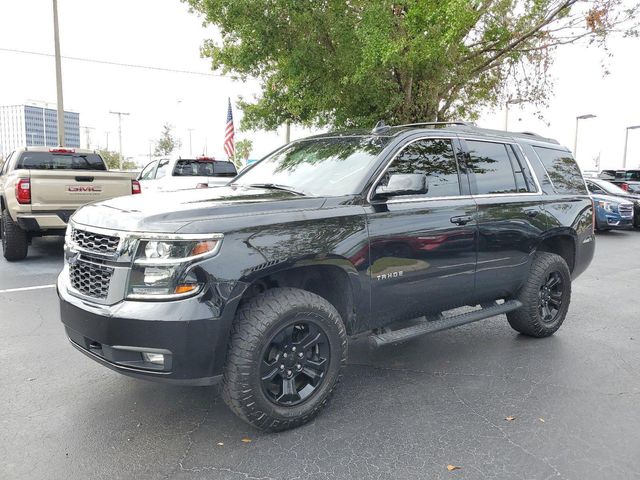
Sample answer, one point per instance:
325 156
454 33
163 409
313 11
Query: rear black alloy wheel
288 347
545 297
550 302
294 363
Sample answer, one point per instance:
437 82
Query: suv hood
170 211
610 198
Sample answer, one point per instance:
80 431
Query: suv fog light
155 358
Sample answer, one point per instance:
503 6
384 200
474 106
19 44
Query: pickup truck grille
626 211
95 242
90 279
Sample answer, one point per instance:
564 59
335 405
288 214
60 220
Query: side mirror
404 184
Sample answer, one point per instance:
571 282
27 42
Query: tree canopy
112 159
351 63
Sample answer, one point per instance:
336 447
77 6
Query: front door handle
532 212
461 220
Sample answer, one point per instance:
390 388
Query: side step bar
432 326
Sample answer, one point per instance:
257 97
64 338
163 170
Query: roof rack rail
456 122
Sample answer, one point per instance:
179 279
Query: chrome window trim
395 155
461 197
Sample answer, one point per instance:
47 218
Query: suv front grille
626 211
90 279
95 242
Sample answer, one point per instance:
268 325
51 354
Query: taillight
23 191
202 185
135 187
624 186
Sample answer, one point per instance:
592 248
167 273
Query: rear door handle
84 179
461 220
532 212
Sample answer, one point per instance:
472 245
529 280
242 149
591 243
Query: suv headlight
608 206
162 266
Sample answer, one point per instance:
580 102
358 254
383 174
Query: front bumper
187 332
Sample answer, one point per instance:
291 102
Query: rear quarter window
562 170
60 161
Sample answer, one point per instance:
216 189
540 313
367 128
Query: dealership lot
401 412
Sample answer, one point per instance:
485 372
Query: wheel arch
335 279
562 242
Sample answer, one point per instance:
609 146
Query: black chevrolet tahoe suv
389 234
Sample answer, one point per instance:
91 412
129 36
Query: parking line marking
24 289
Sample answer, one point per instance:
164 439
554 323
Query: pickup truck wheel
288 347
15 241
545 297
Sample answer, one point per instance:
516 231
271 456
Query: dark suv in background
379 233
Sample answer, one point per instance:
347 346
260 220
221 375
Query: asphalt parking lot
401 412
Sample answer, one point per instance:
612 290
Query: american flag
229 146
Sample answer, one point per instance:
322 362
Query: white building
29 125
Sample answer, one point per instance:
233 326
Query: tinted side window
492 165
562 169
433 157
593 188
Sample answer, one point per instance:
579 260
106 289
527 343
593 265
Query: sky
163 33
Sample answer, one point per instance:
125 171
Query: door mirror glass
404 184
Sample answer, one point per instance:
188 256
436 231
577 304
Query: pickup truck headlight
161 267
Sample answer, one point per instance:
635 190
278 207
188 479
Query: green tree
167 143
351 63
242 151
112 159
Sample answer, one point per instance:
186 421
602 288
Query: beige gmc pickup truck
41 187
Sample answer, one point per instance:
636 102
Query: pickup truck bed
41 188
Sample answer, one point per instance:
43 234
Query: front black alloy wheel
294 363
288 347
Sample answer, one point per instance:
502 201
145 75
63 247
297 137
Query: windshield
320 167
60 161
611 188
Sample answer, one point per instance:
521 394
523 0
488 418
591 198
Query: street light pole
511 101
87 134
575 137
190 149
626 141
120 131
107 135
56 42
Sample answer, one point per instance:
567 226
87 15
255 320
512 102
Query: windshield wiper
275 186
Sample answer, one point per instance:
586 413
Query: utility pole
107 135
190 150
287 132
626 142
120 131
56 41
575 138
87 134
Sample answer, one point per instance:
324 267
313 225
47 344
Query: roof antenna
380 127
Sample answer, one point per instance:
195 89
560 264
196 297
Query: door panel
423 247
420 261
509 229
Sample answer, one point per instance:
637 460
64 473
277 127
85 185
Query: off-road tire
15 241
528 319
257 320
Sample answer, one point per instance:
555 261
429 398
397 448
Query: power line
118 64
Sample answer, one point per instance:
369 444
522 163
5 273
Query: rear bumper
44 221
192 341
